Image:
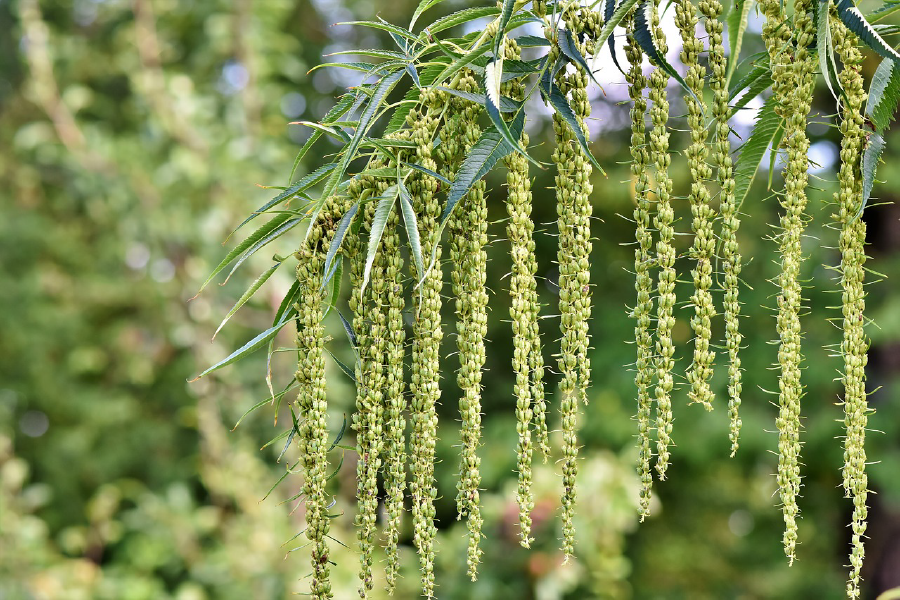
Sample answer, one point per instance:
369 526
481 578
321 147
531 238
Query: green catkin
731 258
792 67
523 291
852 245
701 369
427 332
665 257
468 228
642 264
369 322
312 402
573 189
394 400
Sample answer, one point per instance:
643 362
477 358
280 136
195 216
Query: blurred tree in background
132 136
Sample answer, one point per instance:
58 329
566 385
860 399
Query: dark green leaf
462 16
765 132
412 226
423 6
343 367
507 105
269 238
870 159
379 222
737 25
609 9
570 49
492 79
437 176
622 10
643 35
554 95
884 94
856 22
506 11
339 233
348 329
532 41
247 295
825 47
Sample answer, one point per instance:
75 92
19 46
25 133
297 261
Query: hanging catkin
522 287
369 323
468 235
665 256
852 245
427 331
731 258
701 369
642 264
394 400
792 67
573 208
311 402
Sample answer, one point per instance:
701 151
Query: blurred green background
132 137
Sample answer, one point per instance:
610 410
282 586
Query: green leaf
384 26
856 22
269 400
482 157
737 25
286 306
609 10
349 153
335 277
379 222
343 367
644 37
337 111
871 157
462 16
825 47
290 439
304 184
412 227
765 132
506 11
261 233
247 295
568 47
532 41
884 94
554 95
888 8
437 176
348 329
492 78
507 105
252 346
329 130
269 238
372 53
612 22
423 6
338 239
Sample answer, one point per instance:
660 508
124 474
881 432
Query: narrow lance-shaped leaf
554 95
379 222
460 17
422 169
247 295
337 240
422 7
384 26
884 94
349 152
267 239
570 49
412 227
506 11
336 276
825 47
644 37
621 11
507 105
765 132
609 10
871 157
252 239
252 346
737 25
856 22
305 183
492 80
337 111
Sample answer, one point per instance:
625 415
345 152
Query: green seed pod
574 209
427 332
665 257
523 313
731 258
643 259
468 229
792 68
852 245
701 369
311 402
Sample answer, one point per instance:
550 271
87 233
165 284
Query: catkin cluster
311 402
370 323
665 256
731 258
792 67
573 207
701 369
468 231
643 262
527 362
853 256
427 332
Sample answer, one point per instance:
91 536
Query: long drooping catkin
428 332
468 229
523 314
852 245
370 324
792 69
642 264
665 256
573 208
701 369
311 402
731 258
